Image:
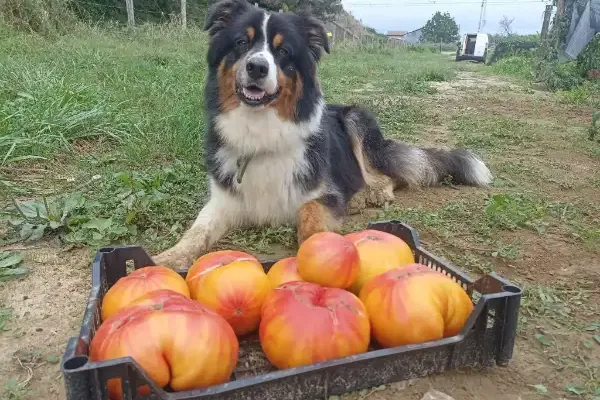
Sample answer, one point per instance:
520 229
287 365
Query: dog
276 153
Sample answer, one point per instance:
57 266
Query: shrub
589 59
45 17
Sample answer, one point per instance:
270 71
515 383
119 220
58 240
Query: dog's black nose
257 68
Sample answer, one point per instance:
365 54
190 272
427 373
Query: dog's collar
242 164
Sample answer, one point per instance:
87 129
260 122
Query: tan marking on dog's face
290 91
228 99
251 33
277 40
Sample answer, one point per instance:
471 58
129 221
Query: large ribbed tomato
284 271
232 283
414 304
328 259
379 252
177 342
304 323
138 283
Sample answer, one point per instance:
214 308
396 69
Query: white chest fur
268 192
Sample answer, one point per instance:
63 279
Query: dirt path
47 306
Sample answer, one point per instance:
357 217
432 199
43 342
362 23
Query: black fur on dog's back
411 166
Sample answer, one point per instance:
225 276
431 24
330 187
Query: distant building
406 36
396 35
413 36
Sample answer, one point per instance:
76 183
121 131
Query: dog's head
263 59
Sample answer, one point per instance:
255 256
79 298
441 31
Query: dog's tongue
254 93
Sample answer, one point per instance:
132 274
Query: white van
473 46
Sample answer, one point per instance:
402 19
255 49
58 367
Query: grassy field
101 143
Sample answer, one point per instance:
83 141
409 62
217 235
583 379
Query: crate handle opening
511 289
75 363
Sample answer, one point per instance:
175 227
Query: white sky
407 15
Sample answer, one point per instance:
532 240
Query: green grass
121 112
12 390
516 66
101 143
5 316
491 132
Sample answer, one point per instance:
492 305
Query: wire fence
344 32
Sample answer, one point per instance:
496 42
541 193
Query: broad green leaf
543 339
55 224
16 221
597 338
30 232
593 327
7 274
540 388
579 391
130 216
124 177
52 359
10 259
33 209
73 202
99 224
5 314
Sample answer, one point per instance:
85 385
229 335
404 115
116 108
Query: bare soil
47 305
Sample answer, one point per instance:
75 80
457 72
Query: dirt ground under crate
556 261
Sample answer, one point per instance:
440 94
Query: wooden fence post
130 16
333 34
546 24
184 14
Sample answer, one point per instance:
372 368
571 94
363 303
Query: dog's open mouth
255 96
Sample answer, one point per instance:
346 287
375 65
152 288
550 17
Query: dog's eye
282 52
242 42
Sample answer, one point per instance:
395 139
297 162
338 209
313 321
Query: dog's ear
221 14
317 36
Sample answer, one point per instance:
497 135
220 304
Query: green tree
440 28
325 10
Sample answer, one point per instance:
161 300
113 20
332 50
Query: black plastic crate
487 339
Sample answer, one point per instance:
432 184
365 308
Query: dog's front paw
173 259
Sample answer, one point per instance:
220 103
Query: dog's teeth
252 95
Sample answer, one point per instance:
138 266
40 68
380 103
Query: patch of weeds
558 305
491 132
5 316
397 116
446 220
35 217
518 66
260 240
594 129
540 388
512 211
581 221
518 169
120 208
10 266
471 262
507 251
501 182
12 390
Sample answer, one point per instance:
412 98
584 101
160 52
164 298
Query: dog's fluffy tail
408 165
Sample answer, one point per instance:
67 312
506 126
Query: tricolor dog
276 153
